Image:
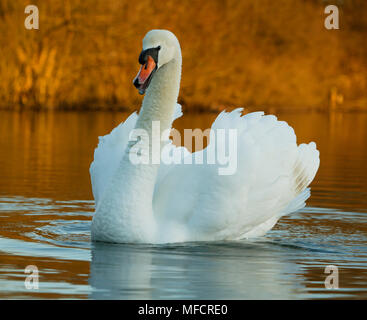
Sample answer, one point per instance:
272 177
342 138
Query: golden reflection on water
47 154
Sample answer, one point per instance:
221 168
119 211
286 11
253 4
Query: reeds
236 53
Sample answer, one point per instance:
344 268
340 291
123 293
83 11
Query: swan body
163 203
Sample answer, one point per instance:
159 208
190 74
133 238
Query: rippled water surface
46 209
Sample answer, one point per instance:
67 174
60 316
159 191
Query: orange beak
143 77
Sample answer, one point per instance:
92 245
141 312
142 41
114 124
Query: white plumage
192 202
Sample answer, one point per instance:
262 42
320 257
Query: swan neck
160 100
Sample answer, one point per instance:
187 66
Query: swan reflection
234 270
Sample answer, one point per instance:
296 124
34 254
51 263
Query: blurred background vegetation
253 53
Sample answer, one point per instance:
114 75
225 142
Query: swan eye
153 52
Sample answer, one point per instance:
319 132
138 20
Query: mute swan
163 203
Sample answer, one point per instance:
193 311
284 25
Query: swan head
159 48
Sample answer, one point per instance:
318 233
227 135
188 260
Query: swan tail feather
271 180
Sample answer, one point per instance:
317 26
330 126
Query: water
46 209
